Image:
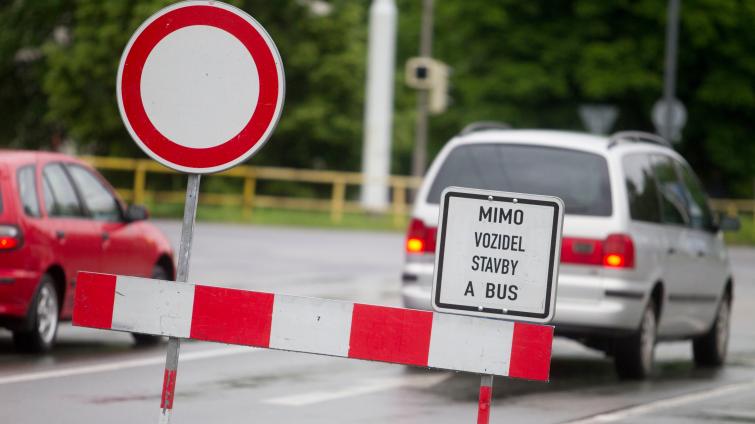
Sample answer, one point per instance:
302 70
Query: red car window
27 190
60 196
99 201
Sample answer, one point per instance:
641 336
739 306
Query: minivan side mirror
729 223
136 213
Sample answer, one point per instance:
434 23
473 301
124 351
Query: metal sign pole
419 156
669 78
486 392
184 253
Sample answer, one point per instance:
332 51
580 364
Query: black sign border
505 199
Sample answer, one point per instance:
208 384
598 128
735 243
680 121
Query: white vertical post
378 114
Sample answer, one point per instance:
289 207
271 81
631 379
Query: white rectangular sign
497 254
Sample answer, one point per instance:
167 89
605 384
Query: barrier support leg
184 253
250 185
140 181
486 392
338 199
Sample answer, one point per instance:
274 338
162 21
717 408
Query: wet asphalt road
98 376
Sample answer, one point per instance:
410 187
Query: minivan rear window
579 178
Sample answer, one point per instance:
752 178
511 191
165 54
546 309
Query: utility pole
378 113
419 158
669 77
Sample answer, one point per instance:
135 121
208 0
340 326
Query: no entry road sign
498 254
200 86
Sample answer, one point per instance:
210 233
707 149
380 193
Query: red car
58 216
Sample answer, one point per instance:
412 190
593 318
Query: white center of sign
200 86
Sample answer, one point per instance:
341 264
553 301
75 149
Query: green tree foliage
24 27
80 77
530 63
323 56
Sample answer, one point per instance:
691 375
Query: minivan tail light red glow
10 237
420 238
616 251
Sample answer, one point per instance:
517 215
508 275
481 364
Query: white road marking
117 366
672 402
369 386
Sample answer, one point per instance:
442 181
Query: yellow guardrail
337 205
734 207
249 198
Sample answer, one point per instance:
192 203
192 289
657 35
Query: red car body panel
63 246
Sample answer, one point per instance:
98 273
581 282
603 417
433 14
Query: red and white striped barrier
310 325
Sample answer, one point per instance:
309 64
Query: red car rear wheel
44 315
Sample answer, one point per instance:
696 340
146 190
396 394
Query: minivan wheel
710 349
44 314
144 340
634 355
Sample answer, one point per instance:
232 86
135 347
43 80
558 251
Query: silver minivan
642 259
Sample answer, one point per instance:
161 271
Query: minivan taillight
10 237
616 251
420 238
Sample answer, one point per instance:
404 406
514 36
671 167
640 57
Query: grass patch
283 217
359 221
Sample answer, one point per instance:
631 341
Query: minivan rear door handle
671 250
60 234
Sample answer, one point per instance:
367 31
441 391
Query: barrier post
250 185
140 181
338 199
732 209
184 254
486 393
399 202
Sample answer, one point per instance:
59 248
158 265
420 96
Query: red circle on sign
237 148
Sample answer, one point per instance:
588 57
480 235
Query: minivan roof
553 138
559 139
